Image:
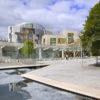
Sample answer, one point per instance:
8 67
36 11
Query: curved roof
31 25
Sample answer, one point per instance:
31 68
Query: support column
18 54
81 51
40 53
53 53
1 51
62 54
74 54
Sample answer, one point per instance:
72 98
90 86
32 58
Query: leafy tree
28 48
91 34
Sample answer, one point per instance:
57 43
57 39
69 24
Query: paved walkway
73 75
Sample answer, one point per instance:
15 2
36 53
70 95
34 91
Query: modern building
54 40
47 45
67 43
19 33
63 39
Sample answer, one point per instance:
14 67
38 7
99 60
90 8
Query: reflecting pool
14 87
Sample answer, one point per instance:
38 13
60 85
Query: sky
55 15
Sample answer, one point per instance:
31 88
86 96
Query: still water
13 87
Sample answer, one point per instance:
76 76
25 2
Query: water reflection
11 85
35 91
18 71
16 86
19 85
8 94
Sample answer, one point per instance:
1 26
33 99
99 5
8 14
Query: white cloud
61 7
53 14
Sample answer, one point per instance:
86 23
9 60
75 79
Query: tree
28 48
91 34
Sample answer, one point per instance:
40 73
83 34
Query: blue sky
56 15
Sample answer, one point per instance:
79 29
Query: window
70 38
52 41
30 36
43 41
61 40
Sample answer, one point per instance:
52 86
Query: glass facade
28 25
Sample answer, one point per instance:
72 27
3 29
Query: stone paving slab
16 66
74 75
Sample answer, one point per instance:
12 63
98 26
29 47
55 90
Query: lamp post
1 50
62 51
81 52
40 52
18 54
